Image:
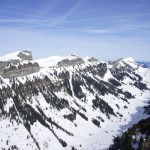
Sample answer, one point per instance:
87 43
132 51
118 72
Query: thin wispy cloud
109 8
59 20
140 28
113 17
96 31
12 13
27 21
48 22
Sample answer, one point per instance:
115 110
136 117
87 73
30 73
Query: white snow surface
11 56
129 59
131 62
50 61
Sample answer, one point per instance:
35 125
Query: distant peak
129 59
90 59
18 55
25 55
10 56
124 62
27 51
72 57
70 61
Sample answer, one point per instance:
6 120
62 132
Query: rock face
13 67
92 59
73 60
5 64
15 59
25 55
21 70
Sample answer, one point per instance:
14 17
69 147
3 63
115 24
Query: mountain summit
69 102
17 64
19 55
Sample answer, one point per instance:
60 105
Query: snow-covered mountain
18 55
69 102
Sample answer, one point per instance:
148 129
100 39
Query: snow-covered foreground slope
79 104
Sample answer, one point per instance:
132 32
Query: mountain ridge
74 106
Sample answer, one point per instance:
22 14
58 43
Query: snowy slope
81 106
12 56
18 55
50 61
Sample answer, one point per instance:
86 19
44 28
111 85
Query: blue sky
105 29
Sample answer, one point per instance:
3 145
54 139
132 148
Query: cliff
70 61
17 64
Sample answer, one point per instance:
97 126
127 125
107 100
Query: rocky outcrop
70 62
21 70
14 68
116 62
25 55
5 64
92 59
